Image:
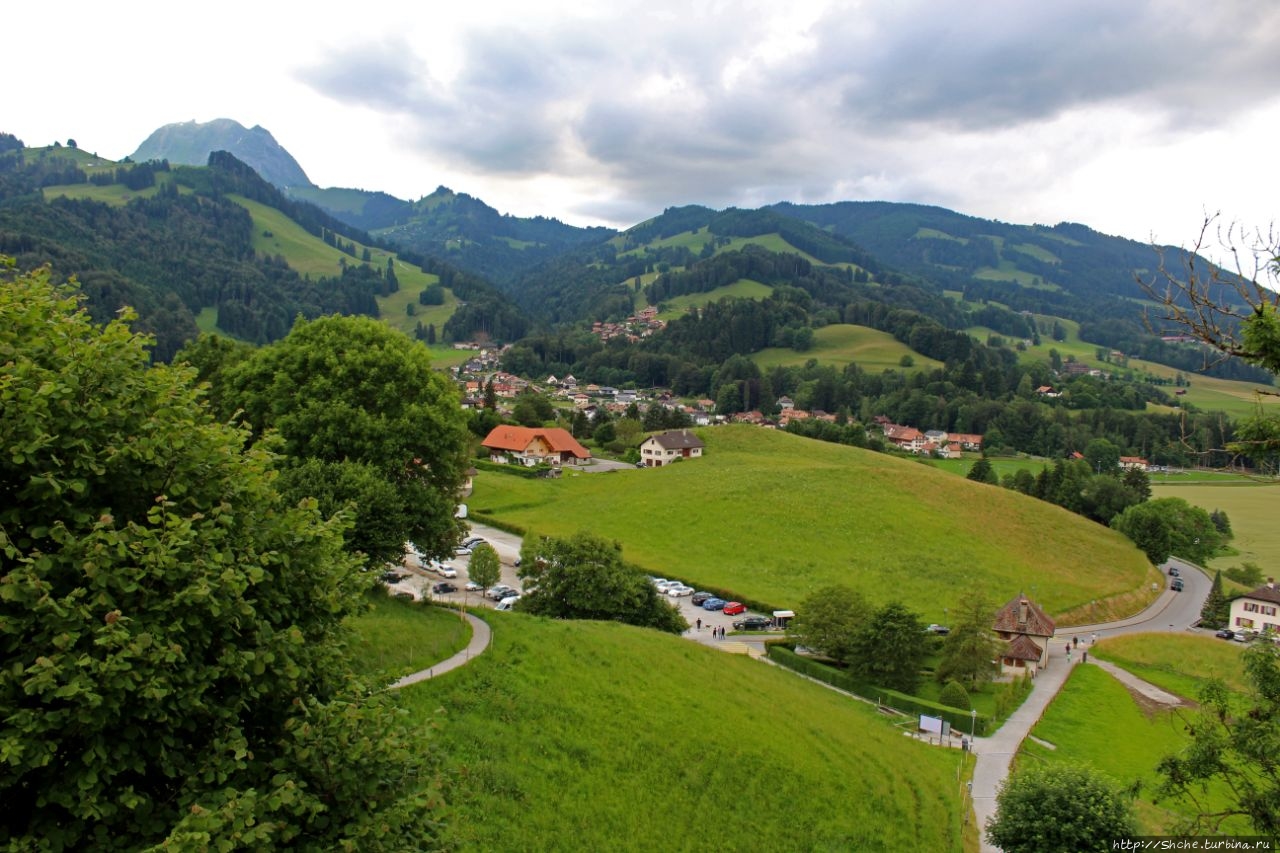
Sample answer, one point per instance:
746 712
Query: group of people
1074 643
717 631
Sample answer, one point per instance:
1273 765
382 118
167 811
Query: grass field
842 343
1095 720
116 195
598 736
398 637
773 517
1180 664
1251 507
743 288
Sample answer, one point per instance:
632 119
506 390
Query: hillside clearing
841 343
773 517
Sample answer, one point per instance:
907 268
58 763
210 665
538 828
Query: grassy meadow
599 736
743 288
1095 718
395 638
774 517
842 343
1251 507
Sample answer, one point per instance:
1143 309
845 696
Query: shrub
954 694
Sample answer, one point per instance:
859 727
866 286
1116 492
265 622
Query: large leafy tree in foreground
1059 808
365 425
171 665
583 577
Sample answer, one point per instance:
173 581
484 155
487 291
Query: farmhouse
1025 630
667 447
527 446
1257 610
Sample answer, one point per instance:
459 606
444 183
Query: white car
678 591
446 571
472 586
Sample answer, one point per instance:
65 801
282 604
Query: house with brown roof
1025 630
529 446
1258 610
667 447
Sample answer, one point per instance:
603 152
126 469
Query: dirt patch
1151 707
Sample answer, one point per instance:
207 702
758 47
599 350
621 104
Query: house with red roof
534 446
1024 630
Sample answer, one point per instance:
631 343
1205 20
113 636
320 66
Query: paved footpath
480 637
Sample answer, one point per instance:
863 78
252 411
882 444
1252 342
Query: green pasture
773 517
1002 466
601 736
308 254
743 288
842 343
1095 720
1251 507
1178 663
116 195
395 638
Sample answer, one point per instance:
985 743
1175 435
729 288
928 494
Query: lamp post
973 723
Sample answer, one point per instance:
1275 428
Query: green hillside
774 517
840 344
599 736
741 289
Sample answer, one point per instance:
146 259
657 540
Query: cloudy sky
1135 118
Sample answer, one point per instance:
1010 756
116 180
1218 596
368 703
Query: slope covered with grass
840 344
774 517
599 736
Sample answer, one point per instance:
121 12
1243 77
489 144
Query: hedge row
511 470
960 720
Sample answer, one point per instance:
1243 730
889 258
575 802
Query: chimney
1023 610
1271 583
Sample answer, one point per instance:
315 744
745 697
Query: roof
1266 592
677 439
1010 618
516 438
1022 647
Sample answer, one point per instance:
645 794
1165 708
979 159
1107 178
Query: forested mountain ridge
190 143
171 242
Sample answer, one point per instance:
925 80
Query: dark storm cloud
666 108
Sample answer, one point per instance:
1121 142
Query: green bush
954 694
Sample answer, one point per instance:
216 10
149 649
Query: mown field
841 343
397 637
599 736
1096 720
743 288
774 517
1251 508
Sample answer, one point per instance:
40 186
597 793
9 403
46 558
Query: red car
733 608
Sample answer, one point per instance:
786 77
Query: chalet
785 403
667 447
528 446
1133 463
967 441
905 438
1258 610
1025 631
952 450
1048 391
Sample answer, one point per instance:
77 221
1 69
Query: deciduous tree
970 648
583 577
171 664
890 647
828 622
484 567
1059 808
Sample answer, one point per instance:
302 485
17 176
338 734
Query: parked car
1173 572
1176 585
1244 635
473 541
699 598
462 551
665 585
472 586
679 591
443 588
499 592
753 623
658 582
733 608
445 571
393 577
508 603
1225 634
941 630
714 604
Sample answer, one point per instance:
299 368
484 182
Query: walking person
699 624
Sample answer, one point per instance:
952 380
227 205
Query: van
507 603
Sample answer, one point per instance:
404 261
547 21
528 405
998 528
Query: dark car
1175 585
1173 572
753 623
443 587
700 598
393 577
1225 634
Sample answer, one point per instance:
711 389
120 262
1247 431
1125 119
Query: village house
905 438
1258 610
667 447
528 446
1025 630
1133 463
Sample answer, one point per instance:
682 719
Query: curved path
1171 611
480 638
